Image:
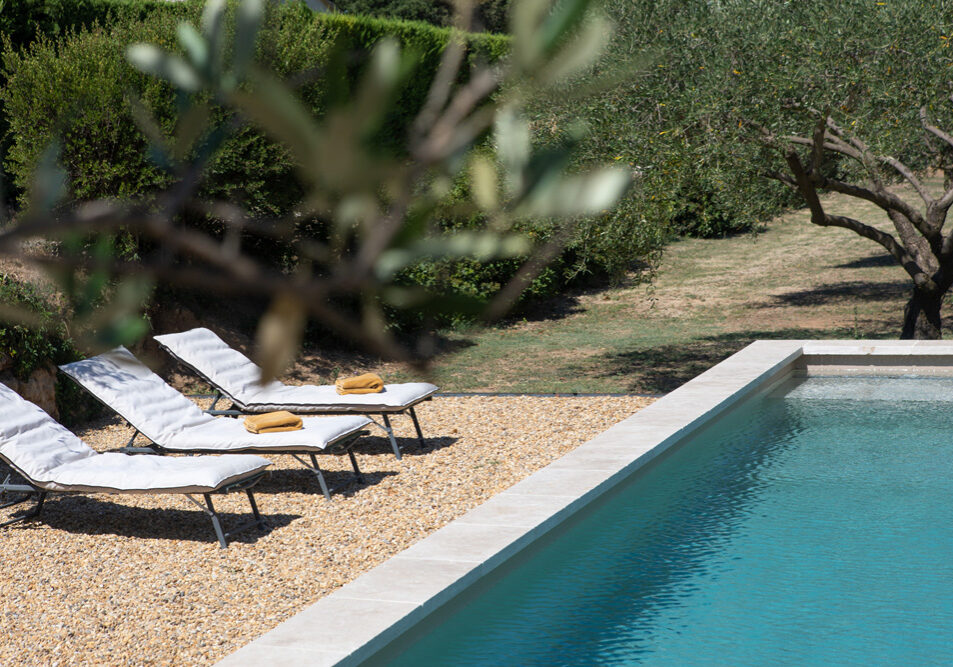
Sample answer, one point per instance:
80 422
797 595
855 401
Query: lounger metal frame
29 490
386 427
340 446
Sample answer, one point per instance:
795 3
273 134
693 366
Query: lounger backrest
32 441
229 370
127 386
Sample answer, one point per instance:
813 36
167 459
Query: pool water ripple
808 527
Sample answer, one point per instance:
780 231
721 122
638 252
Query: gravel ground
136 580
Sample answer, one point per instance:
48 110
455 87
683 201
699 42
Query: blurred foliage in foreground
80 89
367 212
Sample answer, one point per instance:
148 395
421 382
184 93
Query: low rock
39 388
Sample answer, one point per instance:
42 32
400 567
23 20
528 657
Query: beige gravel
140 580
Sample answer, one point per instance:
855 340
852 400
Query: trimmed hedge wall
77 89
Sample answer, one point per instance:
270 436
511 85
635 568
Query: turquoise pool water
813 526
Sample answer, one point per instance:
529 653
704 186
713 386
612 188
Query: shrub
30 348
78 88
26 349
23 21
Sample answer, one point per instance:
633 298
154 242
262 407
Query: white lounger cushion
52 458
174 422
239 378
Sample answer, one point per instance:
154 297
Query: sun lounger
237 378
50 459
175 424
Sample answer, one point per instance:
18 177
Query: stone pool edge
362 617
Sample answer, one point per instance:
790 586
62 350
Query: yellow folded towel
273 422
369 383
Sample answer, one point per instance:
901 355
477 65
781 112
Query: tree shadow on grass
332 360
874 261
94 516
840 292
661 369
567 301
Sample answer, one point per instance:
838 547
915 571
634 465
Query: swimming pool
394 604
811 525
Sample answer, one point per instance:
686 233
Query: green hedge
76 88
22 21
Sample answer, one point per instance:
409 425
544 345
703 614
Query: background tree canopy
701 71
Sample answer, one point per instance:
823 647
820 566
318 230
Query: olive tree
918 241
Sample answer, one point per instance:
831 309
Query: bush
26 349
78 89
23 21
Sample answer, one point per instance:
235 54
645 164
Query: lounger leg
209 509
129 449
420 435
390 434
216 523
15 501
357 471
35 512
317 471
254 509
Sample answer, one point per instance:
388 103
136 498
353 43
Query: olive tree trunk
917 241
921 316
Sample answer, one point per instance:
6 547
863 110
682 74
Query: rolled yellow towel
273 422
369 383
